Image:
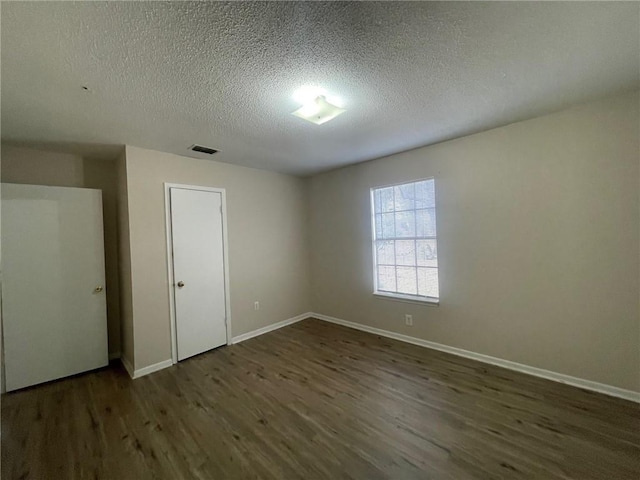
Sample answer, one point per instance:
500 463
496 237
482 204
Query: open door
53 298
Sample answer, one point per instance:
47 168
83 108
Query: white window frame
421 299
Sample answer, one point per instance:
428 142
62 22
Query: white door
198 271
53 299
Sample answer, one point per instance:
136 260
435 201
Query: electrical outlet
256 305
408 319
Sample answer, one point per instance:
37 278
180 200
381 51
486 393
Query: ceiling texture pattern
167 75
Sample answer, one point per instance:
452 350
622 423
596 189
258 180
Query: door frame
171 278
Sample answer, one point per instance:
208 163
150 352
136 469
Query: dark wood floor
317 401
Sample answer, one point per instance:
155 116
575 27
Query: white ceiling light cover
318 111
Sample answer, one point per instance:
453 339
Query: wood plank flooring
317 401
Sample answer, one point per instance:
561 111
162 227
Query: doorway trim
225 257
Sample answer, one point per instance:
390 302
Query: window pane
407 280
426 222
386 199
404 196
385 253
388 225
427 253
428 282
405 224
425 194
405 252
387 279
378 226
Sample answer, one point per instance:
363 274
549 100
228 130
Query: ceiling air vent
201 149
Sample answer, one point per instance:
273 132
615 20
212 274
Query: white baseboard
141 372
519 367
127 365
114 356
270 328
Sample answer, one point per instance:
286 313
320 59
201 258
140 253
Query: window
404 241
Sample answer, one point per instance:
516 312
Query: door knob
98 289
180 284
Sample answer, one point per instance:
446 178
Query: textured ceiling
167 75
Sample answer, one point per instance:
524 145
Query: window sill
434 302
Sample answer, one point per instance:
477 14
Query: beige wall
39 167
538 229
124 262
101 174
538 224
268 255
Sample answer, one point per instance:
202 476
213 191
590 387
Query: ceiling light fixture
318 111
317 106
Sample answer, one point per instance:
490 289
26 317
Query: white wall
538 230
268 245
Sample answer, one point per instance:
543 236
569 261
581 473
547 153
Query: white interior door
198 271
53 299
